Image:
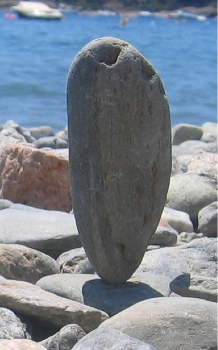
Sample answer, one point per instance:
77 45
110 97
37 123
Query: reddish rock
20 344
35 177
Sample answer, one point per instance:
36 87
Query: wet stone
120 153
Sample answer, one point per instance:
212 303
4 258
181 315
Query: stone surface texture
120 153
35 177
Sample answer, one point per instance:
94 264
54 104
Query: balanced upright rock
120 153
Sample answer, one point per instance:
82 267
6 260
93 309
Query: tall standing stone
120 153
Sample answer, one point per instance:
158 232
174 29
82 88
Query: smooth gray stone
185 132
41 131
92 291
110 339
170 323
190 192
11 326
50 232
50 141
65 339
120 153
195 286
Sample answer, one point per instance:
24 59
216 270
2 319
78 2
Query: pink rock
20 344
35 177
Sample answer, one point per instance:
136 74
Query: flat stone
51 232
92 291
108 339
20 344
30 300
35 177
120 153
195 286
25 264
170 323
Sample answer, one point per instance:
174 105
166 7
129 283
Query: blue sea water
36 56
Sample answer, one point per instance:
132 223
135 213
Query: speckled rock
25 264
65 339
35 177
120 141
11 326
20 344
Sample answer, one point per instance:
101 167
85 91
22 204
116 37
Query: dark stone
120 154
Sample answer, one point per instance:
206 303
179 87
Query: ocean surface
36 56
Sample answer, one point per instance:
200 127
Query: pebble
174 285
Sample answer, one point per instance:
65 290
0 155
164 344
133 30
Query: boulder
25 264
20 344
108 339
120 153
195 286
199 257
207 220
74 261
209 132
50 142
35 177
169 323
164 236
179 220
50 232
191 192
185 132
41 131
30 300
11 326
65 339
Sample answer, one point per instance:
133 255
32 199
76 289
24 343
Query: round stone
119 153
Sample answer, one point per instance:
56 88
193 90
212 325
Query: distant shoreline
208 11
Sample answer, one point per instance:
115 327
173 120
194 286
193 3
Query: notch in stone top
119 154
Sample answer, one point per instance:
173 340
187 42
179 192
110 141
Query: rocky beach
50 295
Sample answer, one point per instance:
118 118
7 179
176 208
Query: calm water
36 56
